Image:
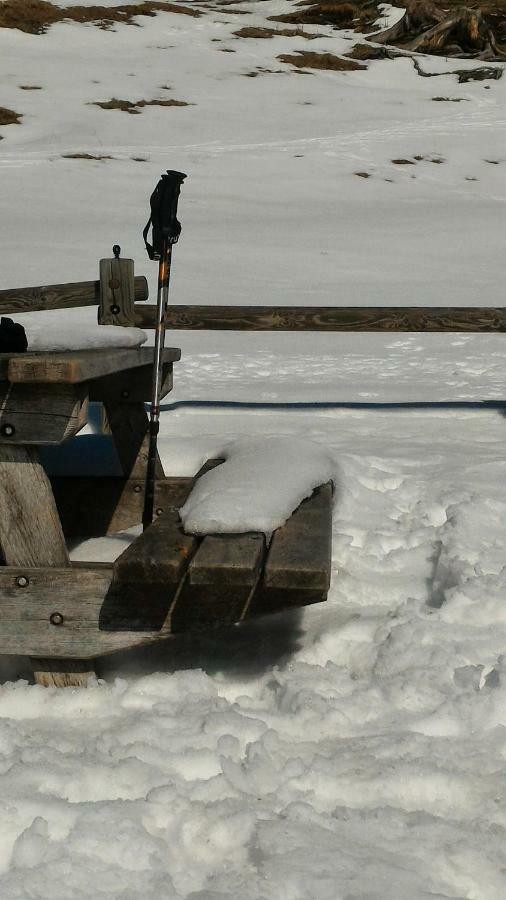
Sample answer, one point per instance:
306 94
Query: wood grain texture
298 566
73 367
62 673
129 427
60 296
30 529
146 576
326 318
41 414
91 507
219 583
131 385
76 595
117 292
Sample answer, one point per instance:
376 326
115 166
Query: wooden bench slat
72 367
298 566
147 574
220 581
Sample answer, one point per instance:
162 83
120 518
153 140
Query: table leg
31 535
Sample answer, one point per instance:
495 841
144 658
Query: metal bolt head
125 394
115 309
137 488
56 618
159 511
8 430
22 581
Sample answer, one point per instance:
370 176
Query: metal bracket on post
117 290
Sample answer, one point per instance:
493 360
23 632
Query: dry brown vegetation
134 108
332 12
252 31
35 16
307 60
450 30
364 53
8 116
84 156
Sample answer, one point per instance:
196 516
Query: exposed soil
306 60
360 16
36 16
134 108
252 31
84 156
9 117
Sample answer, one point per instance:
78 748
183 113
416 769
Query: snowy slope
355 751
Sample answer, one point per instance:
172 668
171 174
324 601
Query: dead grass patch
251 31
8 116
260 70
84 156
304 59
336 13
134 108
365 53
36 16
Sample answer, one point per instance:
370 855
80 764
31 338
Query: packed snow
262 481
355 750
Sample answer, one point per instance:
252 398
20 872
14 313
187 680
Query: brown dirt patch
306 60
364 53
8 116
36 16
256 32
134 108
338 14
84 156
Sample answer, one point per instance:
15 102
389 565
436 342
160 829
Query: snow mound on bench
260 484
82 336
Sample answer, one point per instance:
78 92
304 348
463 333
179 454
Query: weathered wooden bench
63 614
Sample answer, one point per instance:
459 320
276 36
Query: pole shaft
162 302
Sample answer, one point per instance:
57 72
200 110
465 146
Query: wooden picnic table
64 614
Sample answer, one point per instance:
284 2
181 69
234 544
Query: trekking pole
166 231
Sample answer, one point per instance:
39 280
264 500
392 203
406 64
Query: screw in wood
22 581
8 430
137 488
159 511
56 618
115 309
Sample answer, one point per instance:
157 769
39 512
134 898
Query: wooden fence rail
326 318
60 296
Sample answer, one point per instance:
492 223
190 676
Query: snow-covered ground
355 751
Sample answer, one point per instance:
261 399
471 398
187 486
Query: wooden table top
75 366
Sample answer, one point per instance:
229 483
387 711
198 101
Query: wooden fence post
117 292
